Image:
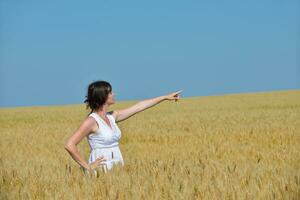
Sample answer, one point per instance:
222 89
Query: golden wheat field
238 146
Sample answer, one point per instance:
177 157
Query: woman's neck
102 111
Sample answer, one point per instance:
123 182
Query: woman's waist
95 146
109 152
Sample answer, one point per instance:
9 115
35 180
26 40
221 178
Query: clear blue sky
51 50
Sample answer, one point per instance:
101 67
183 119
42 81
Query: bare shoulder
90 124
84 129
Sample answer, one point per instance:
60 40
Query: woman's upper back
105 136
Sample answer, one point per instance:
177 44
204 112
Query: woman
100 127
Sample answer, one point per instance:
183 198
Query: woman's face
111 98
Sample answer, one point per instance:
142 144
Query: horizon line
132 100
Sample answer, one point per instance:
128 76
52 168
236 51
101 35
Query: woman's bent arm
78 135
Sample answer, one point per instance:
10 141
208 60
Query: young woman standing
100 127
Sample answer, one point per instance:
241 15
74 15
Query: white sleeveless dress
105 142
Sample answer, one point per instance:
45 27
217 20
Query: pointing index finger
178 91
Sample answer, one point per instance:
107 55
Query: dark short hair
97 94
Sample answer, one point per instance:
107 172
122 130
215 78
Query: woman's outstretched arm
123 114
